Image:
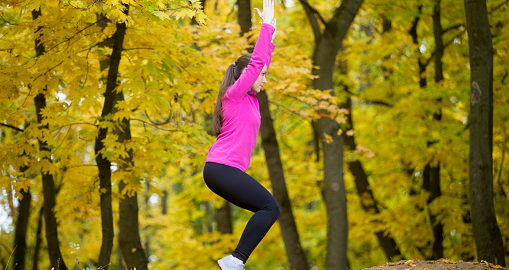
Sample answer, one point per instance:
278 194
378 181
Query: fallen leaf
448 261
410 263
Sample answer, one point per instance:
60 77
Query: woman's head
231 75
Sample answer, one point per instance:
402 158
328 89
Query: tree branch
286 108
499 6
69 38
445 46
180 7
156 126
452 27
315 11
459 33
378 102
312 19
13 127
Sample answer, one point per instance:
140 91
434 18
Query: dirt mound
445 264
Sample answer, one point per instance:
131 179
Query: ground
445 264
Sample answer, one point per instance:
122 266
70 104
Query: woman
236 122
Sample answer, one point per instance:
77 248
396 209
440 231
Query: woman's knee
278 212
275 210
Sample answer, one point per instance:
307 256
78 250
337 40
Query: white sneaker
230 263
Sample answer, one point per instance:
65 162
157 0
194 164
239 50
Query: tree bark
415 40
224 219
326 49
365 193
487 234
104 166
164 202
431 174
147 230
295 252
20 232
48 184
129 234
334 195
244 15
38 240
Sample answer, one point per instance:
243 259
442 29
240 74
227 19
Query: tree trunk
334 195
326 49
164 202
364 191
48 184
20 232
487 234
224 219
104 167
38 240
333 188
415 40
147 230
431 173
244 16
129 235
368 201
295 252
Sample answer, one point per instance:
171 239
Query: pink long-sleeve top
241 111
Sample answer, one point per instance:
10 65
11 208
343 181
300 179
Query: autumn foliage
169 74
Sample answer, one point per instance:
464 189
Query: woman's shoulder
227 98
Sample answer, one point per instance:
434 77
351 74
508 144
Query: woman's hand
267 15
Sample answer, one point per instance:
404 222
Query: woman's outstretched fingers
259 13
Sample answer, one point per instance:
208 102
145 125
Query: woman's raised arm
260 56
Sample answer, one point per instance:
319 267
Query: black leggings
244 191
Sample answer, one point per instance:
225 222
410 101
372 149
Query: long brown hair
231 75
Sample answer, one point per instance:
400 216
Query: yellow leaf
448 261
327 138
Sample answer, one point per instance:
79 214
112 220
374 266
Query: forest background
136 81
